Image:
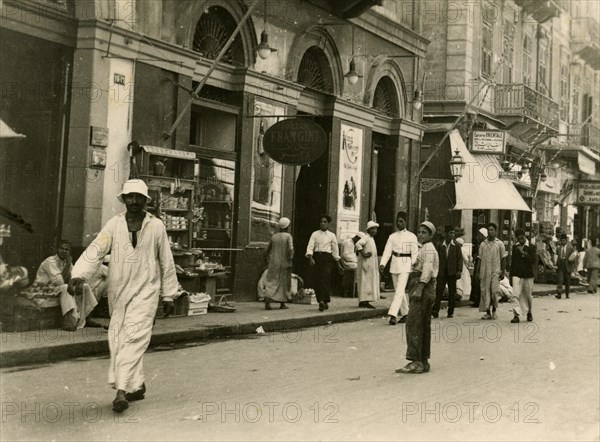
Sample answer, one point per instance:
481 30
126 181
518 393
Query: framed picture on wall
97 158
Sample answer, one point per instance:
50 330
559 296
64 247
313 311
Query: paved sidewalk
44 346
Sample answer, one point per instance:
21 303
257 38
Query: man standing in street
422 296
564 265
491 263
451 264
402 248
524 257
591 263
144 273
323 255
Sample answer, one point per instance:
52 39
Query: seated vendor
57 270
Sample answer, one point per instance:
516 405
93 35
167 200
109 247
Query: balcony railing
585 38
585 135
540 10
521 100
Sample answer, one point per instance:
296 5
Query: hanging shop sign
350 180
588 192
295 141
487 141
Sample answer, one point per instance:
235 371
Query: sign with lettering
295 141
588 192
350 180
99 136
487 141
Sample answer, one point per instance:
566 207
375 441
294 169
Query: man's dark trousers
443 279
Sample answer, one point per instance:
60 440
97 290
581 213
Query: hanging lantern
457 165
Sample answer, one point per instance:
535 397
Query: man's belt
401 255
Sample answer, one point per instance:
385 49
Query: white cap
429 225
284 222
371 224
483 231
134 186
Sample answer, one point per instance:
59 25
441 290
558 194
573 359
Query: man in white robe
141 272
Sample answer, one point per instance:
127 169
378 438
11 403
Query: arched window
385 98
314 70
212 32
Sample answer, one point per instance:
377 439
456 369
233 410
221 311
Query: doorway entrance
310 202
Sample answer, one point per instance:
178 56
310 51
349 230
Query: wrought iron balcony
522 101
540 11
585 135
585 38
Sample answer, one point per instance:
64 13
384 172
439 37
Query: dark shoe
120 404
369 305
321 306
434 315
136 395
486 316
414 367
403 319
268 306
558 296
362 304
283 306
567 296
426 367
392 320
529 317
326 306
450 316
515 320
382 297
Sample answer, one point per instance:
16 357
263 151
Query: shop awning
481 186
586 165
7 133
170 153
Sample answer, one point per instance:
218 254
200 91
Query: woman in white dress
463 285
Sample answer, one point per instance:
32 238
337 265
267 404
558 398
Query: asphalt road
490 380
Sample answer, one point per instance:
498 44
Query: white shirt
401 242
323 242
428 262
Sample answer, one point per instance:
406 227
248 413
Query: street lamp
263 49
352 75
457 165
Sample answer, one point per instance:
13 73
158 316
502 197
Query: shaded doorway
310 202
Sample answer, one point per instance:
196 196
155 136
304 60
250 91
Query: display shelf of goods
162 162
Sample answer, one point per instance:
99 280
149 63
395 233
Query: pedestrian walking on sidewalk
368 270
279 255
402 248
323 256
524 257
491 262
135 286
565 263
591 262
421 288
475 296
451 266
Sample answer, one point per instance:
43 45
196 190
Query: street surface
489 380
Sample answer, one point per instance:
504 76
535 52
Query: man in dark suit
565 264
451 264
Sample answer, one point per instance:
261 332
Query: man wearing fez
402 248
451 264
144 275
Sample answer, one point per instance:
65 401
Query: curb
99 347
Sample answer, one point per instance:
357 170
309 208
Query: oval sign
295 142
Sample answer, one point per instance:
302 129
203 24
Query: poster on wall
350 180
267 176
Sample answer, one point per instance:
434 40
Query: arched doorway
311 190
213 29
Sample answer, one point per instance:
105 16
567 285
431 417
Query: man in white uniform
140 273
402 247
